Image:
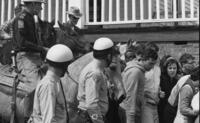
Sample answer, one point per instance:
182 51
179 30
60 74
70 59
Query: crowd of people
157 90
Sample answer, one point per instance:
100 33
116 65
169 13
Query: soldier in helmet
26 41
49 101
92 90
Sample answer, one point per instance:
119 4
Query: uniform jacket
25 33
92 90
49 103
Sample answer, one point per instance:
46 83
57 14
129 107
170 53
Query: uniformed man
92 90
26 40
73 32
74 15
49 100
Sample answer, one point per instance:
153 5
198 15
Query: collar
136 64
53 76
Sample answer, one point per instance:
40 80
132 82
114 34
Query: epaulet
21 16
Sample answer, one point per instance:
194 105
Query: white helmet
39 1
59 53
102 48
103 44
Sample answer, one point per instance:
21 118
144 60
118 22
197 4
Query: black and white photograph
99 61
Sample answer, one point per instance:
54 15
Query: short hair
149 53
195 74
184 58
152 46
133 50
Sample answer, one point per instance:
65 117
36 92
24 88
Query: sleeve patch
20 24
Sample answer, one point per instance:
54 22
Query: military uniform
92 93
49 104
26 42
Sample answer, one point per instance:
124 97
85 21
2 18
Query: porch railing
53 9
111 12
114 12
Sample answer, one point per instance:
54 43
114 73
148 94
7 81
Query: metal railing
115 12
53 9
110 12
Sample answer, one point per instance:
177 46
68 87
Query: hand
162 94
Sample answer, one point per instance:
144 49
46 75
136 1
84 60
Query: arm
47 102
131 80
186 94
93 86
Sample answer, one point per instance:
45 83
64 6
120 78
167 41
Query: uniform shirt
92 90
49 103
25 34
133 79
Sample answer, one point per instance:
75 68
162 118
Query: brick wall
177 50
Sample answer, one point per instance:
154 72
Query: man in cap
26 40
73 32
49 100
74 15
92 90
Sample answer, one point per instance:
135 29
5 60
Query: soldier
92 90
26 41
49 101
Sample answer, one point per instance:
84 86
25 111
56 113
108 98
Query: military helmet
102 47
59 53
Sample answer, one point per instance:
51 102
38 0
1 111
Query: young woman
168 80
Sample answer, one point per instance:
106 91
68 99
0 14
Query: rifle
13 118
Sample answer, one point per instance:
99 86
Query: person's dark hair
131 52
102 54
149 53
152 46
58 65
170 60
184 58
195 74
162 61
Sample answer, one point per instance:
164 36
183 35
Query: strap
64 101
72 78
